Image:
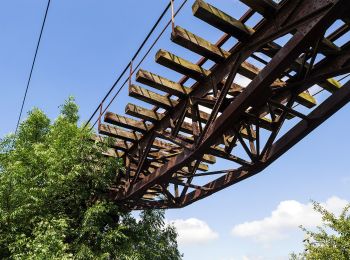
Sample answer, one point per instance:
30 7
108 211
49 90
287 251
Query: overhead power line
33 63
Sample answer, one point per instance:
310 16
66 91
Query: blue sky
84 47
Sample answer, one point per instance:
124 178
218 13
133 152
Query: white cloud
287 216
245 257
193 231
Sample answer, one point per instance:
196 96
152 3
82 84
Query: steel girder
166 152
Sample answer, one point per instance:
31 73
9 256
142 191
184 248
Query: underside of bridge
168 149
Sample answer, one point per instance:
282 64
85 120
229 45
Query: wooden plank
143 113
201 167
155 165
210 51
221 20
114 143
248 70
331 85
266 8
160 144
131 136
328 46
150 115
110 152
160 83
306 100
151 97
117 132
207 158
181 65
127 122
153 116
198 45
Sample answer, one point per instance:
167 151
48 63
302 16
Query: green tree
54 200
331 241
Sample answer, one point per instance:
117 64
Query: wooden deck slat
181 65
207 158
330 85
110 152
306 100
206 49
237 29
154 165
161 83
117 144
198 45
143 113
127 122
151 97
221 20
117 132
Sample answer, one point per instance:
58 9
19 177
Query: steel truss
167 153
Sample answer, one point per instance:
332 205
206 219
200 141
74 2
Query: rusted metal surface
168 152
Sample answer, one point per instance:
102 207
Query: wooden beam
117 132
160 83
181 65
208 50
127 122
198 45
207 158
331 85
154 165
306 100
221 20
114 143
143 113
131 136
328 46
150 115
110 152
151 97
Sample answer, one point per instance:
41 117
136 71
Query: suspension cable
129 64
138 65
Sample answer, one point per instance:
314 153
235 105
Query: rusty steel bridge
167 150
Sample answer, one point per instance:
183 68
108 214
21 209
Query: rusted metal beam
185 135
293 136
317 16
266 8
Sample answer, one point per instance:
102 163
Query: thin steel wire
128 66
33 64
138 65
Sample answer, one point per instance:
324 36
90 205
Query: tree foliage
54 201
331 241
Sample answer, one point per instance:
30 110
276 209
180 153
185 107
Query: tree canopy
54 201
331 241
